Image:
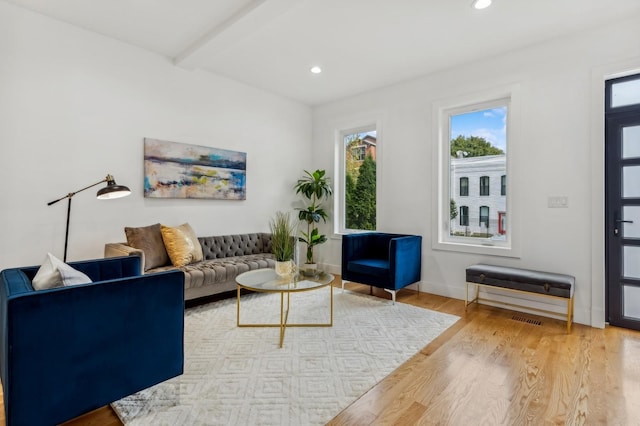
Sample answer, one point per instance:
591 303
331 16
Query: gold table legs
284 314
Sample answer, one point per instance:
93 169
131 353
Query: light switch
555 202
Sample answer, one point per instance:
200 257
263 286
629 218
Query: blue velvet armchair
69 350
387 261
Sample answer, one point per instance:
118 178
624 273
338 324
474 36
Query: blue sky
490 124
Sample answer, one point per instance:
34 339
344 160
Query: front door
622 197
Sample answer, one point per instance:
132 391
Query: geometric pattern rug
239 376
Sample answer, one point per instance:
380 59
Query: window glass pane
631 182
631 142
477 149
625 93
631 302
631 261
631 230
360 181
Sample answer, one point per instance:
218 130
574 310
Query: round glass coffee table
267 281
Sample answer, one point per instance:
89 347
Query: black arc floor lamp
112 190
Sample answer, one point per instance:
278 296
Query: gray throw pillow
149 240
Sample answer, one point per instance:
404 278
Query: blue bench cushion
369 266
522 279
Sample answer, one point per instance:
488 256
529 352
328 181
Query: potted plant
283 242
315 187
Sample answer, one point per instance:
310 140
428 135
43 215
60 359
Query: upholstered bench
546 284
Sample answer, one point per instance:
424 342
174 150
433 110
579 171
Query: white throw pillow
71 276
48 275
55 273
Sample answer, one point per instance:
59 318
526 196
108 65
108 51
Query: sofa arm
405 259
121 249
90 345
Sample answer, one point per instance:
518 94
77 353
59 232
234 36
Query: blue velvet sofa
69 350
387 261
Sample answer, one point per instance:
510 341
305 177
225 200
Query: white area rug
239 376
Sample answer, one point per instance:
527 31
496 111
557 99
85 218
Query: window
471 166
625 92
359 153
464 186
484 185
484 217
356 203
464 216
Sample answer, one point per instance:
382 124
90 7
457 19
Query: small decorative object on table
283 243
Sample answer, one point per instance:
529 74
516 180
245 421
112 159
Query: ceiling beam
250 17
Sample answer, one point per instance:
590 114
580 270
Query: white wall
561 144
75 106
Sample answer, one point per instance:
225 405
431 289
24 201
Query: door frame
596 299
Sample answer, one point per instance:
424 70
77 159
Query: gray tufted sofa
225 257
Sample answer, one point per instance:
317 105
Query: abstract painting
178 170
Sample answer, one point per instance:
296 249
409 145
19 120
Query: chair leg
343 281
393 295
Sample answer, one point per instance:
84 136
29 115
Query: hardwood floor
490 369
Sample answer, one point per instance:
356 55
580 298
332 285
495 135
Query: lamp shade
113 190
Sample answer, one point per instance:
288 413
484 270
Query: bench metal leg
569 314
467 302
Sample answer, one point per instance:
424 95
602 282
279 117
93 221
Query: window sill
488 248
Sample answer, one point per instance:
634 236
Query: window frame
466 187
485 183
503 185
465 216
362 152
485 217
509 96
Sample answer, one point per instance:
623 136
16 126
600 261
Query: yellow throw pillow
182 245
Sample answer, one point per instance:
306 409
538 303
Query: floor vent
527 320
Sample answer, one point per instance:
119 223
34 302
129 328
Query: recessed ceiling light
481 4
316 70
